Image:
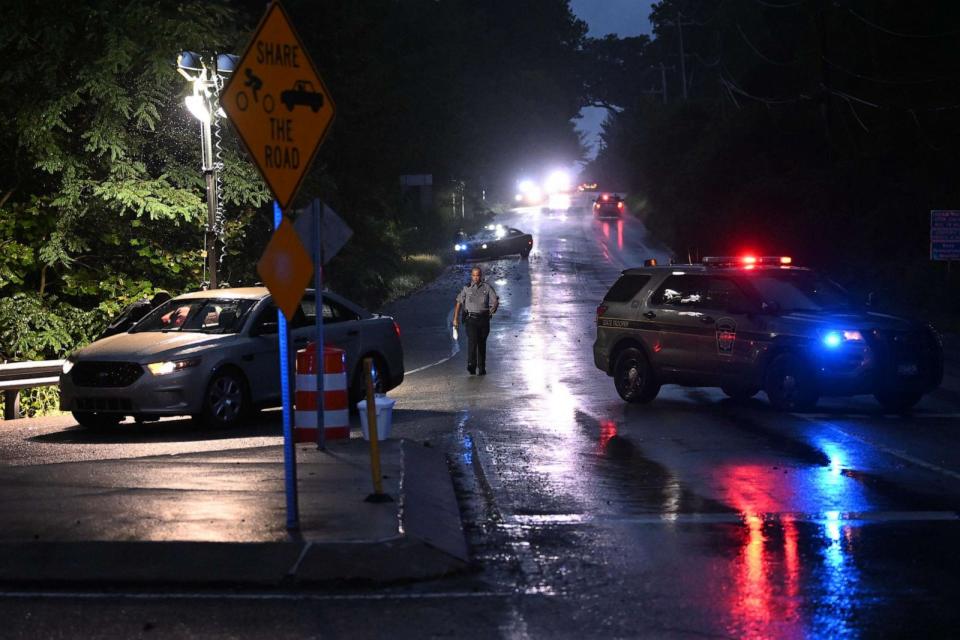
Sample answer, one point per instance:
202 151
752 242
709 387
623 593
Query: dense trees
101 198
824 129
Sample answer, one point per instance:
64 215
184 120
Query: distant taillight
601 309
396 328
619 205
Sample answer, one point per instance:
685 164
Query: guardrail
15 376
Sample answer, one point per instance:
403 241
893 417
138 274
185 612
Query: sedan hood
150 346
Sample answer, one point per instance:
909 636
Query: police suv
747 324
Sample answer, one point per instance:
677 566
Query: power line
774 5
884 80
757 51
732 86
900 34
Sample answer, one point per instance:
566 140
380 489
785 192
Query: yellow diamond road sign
285 268
278 104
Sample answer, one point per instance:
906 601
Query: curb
431 544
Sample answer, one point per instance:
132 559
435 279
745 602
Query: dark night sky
622 17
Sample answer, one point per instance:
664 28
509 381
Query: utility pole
210 175
663 81
683 63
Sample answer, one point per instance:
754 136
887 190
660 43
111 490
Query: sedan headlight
459 247
67 365
171 366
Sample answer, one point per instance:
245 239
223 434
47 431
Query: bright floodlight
197 106
527 186
558 181
227 62
189 61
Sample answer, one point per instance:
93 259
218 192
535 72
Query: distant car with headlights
494 241
749 324
608 205
215 355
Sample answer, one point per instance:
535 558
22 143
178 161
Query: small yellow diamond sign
285 268
278 104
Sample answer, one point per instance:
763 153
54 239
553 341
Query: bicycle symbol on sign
255 83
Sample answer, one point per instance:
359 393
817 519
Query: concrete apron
343 538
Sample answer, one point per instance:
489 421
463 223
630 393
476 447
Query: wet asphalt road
694 516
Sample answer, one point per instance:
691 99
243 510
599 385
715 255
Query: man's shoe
471 369
482 372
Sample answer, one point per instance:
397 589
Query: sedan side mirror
264 329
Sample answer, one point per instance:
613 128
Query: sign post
324 233
281 110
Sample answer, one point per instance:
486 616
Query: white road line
572 519
897 453
432 364
311 597
873 416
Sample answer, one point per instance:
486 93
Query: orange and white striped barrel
336 419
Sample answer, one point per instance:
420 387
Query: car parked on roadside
747 324
494 241
214 355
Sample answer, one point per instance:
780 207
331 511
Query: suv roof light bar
737 261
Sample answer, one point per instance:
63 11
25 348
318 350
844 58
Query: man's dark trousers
478 328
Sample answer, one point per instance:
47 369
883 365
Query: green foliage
99 183
102 200
33 330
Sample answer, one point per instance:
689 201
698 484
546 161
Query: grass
416 270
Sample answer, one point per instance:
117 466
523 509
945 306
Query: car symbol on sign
302 93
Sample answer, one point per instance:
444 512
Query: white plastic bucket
384 417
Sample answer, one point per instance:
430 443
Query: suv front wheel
790 384
633 377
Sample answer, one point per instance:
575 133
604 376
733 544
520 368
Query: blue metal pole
289 452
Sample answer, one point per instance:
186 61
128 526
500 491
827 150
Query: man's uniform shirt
479 298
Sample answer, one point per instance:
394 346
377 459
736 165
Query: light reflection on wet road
693 515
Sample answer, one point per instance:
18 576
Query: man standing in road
479 302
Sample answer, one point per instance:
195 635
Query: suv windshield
797 291
216 315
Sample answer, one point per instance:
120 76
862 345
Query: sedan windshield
211 315
798 291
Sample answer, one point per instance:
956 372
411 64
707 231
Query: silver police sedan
214 355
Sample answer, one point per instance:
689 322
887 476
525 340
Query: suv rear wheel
898 401
633 376
790 384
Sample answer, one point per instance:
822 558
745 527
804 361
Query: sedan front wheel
226 402
96 421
